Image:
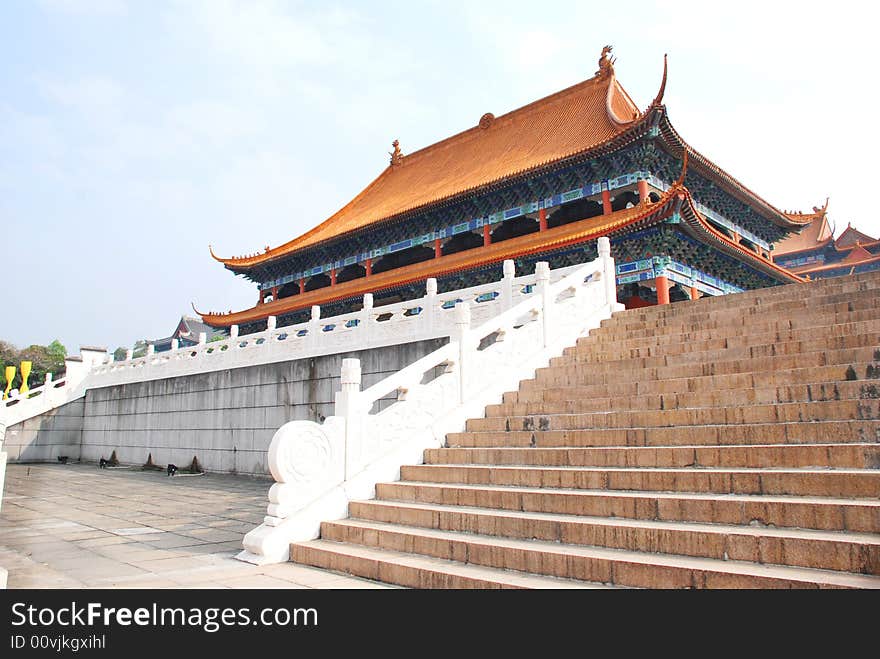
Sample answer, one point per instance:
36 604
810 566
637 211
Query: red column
368 265
302 286
274 293
333 276
662 284
438 249
262 295
542 220
487 237
643 190
606 202
695 294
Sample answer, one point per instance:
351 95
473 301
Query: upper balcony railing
428 317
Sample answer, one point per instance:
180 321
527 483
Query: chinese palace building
540 183
816 254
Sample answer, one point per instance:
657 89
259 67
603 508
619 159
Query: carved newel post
314 326
509 270
542 277
347 407
608 270
430 304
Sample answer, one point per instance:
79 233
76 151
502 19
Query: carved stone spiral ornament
487 120
300 453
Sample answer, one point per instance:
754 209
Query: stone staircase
727 442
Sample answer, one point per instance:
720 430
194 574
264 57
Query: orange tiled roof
812 268
857 255
816 234
852 236
553 128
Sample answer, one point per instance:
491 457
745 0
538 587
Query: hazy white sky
133 134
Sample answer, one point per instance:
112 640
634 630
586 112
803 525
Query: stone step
769 300
414 571
662 343
855 456
661 368
728 327
766 345
591 564
829 514
815 432
763 299
826 306
801 393
609 384
862 483
835 410
847 552
853 285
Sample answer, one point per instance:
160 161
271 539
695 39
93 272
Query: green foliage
45 359
217 337
119 354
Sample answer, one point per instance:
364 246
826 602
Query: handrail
319 468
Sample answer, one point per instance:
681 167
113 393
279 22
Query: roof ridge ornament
658 100
487 120
606 63
397 154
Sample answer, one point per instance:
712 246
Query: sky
134 134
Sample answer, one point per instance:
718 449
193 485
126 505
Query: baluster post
509 270
314 335
430 303
609 272
542 278
347 407
462 330
365 324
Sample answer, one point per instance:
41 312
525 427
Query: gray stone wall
45 437
225 418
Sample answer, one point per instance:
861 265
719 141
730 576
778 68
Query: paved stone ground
77 526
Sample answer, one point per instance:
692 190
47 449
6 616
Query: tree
119 354
44 359
57 354
140 348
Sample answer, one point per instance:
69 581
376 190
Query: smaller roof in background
817 233
852 237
